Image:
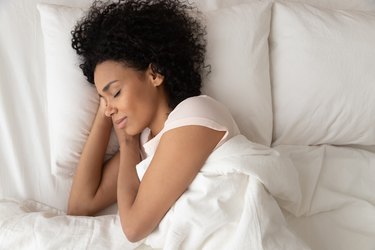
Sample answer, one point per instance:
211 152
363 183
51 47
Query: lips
121 122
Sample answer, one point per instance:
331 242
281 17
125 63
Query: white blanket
229 205
31 225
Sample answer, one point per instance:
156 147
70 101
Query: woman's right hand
102 106
100 113
102 109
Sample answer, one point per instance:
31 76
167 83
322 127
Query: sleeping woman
145 59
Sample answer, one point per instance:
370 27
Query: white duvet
229 205
31 225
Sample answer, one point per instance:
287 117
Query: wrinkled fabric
231 205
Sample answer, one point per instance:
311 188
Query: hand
101 118
102 106
126 140
100 113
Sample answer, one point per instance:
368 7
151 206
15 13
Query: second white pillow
238 54
323 77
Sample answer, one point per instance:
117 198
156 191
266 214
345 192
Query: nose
109 110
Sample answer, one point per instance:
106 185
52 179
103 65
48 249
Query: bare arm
94 185
180 155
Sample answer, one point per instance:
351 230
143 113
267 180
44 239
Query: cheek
140 103
140 117
126 103
146 108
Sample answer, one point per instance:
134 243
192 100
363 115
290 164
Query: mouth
121 122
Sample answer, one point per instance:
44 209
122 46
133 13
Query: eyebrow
106 87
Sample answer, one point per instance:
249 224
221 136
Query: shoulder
202 111
202 106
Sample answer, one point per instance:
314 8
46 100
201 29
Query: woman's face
135 99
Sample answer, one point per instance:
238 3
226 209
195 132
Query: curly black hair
140 33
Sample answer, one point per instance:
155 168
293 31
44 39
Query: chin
133 131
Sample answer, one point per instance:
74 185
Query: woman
145 59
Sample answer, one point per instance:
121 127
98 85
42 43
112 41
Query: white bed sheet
31 225
338 183
338 206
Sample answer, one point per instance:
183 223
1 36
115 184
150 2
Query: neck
162 112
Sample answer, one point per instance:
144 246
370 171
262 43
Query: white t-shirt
198 110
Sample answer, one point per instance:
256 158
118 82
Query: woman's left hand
126 140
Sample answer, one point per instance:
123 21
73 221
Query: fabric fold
231 204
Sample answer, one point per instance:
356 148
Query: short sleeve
203 111
198 110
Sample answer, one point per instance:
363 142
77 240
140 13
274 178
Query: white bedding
32 225
337 183
337 209
229 205
338 205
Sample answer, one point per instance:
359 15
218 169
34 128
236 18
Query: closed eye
117 94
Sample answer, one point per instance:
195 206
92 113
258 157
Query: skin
140 97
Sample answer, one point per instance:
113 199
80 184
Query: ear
155 78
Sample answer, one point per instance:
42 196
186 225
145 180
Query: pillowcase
322 75
237 50
72 101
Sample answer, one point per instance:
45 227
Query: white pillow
72 101
323 75
237 50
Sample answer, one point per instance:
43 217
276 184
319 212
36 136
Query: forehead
107 71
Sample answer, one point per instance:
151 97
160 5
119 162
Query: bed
298 77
